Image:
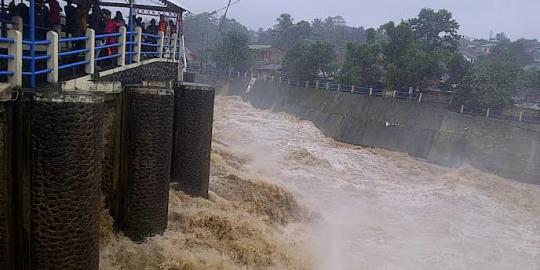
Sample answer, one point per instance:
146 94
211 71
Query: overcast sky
517 18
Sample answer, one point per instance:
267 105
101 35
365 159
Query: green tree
491 84
371 35
363 64
298 64
323 55
436 29
306 61
406 63
231 52
458 67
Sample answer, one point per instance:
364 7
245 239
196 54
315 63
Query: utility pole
201 60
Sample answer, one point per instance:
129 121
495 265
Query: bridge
31 62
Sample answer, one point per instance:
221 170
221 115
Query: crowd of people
81 16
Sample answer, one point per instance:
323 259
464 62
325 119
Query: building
268 60
267 54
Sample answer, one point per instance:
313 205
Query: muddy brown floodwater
284 196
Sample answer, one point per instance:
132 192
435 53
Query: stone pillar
61 180
193 117
7 244
147 144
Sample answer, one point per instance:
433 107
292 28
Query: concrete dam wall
64 152
506 148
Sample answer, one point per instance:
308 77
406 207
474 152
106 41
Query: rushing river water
367 208
385 210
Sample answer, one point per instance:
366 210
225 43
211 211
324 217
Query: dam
132 167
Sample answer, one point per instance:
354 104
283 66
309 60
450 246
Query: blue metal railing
73 52
36 58
108 46
150 35
72 39
33 58
6 56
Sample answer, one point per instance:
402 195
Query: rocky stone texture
193 118
6 240
65 178
148 144
157 71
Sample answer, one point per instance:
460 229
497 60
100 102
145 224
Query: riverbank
506 148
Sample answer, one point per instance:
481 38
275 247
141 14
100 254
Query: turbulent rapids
283 196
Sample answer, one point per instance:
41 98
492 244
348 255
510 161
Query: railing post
488 112
394 94
317 85
451 100
161 43
18 23
238 75
420 97
52 62
89 68
352 89
230 74
174 47
15 64
371 91
462 109
338 87
520 116
138 40
122 48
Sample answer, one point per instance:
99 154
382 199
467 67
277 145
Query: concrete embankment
506 148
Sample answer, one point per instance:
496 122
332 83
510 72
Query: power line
222 21
232 4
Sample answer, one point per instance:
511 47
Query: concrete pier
193 117
6 188
60 181
147 143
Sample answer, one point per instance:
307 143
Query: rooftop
260 47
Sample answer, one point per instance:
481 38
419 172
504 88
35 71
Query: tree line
422 52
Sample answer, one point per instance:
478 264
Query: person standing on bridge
69 9
54 15
111 26
162 24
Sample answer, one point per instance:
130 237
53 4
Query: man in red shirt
162 24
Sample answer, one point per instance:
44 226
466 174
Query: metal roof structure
167 8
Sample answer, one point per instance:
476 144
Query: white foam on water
385 210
